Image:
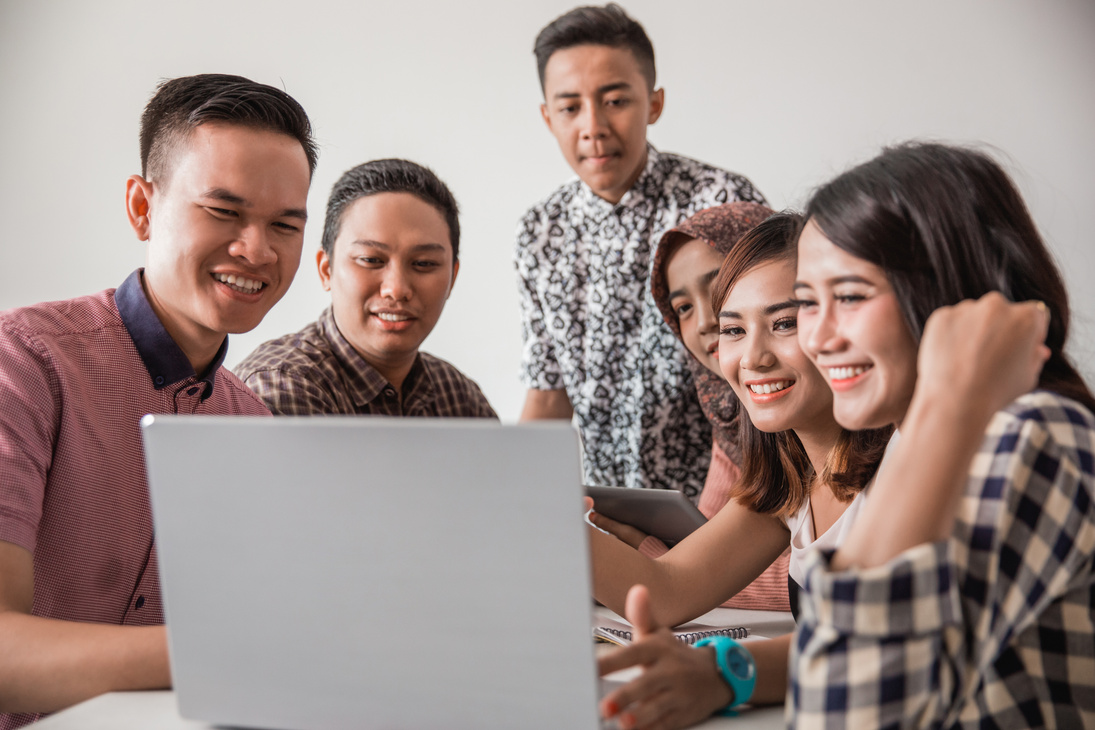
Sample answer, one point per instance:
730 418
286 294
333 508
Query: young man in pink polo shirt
225 168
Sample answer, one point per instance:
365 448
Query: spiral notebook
620 634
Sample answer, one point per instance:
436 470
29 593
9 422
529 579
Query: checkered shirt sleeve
994 628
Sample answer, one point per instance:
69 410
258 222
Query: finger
643 653
637 611
638 691
588 503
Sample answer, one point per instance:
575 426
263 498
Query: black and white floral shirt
590 324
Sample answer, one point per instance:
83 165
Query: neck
818 442
199 346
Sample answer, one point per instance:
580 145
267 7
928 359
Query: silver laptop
372 572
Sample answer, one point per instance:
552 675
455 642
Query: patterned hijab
721 227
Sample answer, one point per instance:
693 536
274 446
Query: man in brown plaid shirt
389 257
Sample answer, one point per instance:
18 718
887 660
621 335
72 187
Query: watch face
740 663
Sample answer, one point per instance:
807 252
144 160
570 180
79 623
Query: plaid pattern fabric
994 628
317 371
75 379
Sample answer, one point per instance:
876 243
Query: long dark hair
946 224
776 473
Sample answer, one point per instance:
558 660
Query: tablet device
664 513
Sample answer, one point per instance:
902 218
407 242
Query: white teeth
771 387
848 372
239 283
392 317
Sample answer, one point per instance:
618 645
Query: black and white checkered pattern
994 628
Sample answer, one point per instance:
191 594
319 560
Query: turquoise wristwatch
737 668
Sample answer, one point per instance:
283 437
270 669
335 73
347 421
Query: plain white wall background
788 92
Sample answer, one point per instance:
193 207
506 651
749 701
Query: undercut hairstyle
946 223
776 474
390 176
593 25
181 105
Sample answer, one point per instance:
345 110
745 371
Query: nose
758 355
253 246
395 283
594 122
819 333
706 321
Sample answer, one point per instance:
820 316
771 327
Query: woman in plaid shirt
964 594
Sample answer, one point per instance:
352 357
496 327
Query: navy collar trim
164 360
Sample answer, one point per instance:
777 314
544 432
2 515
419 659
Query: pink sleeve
28 431
769 590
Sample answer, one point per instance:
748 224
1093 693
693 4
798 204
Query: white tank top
801 526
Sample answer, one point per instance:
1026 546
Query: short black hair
180 105
592 25
390 176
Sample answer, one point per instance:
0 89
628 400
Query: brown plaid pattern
317 371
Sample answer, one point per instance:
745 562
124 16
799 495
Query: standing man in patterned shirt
225 168
596 347
389 256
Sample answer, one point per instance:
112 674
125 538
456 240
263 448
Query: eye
785 324
568 109
222 213
620 101
286 227
731 330
427 265
849 298
682 309
367 261
805 305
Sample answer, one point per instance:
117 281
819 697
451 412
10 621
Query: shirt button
389 391
159 380
192 391
140 601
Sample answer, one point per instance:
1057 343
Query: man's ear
657 103
455 271
138 203
546 116
323 264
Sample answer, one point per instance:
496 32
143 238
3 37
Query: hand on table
679 686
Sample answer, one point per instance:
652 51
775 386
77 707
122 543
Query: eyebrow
705 279
846 279
768 311
418 247
618 86
226 196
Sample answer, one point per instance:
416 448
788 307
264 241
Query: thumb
637 611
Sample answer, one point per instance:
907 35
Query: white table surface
158 710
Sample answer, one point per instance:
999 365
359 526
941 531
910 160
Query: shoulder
82 315
240 400
1041 422
687 178
554 206
296 354
457 386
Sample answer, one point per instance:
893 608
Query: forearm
771 656
916 497
47 665
542 404
676 594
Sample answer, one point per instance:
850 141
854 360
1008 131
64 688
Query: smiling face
851 326
389 274
224 231
760 356
597 103
688 274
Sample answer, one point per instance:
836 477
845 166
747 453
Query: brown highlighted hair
776 474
